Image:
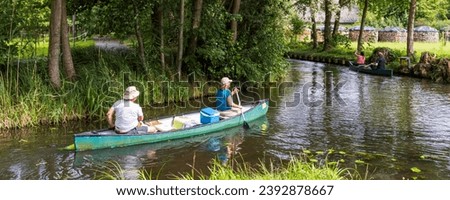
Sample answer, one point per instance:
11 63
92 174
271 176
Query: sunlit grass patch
295 169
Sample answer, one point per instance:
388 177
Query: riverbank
104 69
27 99
427 64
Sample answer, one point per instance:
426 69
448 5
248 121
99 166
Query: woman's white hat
130 93
225 80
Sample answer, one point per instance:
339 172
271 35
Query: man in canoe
128 115
380 62
224 99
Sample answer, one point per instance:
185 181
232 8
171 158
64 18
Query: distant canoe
379 72
109 139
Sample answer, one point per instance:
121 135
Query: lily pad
359 162
380 155
361 153
23 141
415 170
263 127
306 151
332 163
319 152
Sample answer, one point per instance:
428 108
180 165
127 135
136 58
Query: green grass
40 49
295 169
439 48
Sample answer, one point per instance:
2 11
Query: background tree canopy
246 39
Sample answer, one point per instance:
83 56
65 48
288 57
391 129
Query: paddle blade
246 126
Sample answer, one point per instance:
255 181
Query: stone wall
392 34
371 36
389 36
426 34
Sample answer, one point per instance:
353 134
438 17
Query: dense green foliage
28 98
258 50
102 76
384 13
22 23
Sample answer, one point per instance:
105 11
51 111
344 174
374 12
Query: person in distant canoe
360 58
128 115
380 62
224 99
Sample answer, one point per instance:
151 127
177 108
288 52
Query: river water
385 128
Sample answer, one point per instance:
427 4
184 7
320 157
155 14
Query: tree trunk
157 19
337 18
54 44
161 36
67 54
138 33
74 29
361 28
327 31
195 26
410 33
180 40
336 23
314 25
234 12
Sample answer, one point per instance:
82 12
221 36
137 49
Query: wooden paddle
246 126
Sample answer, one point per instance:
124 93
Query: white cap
130 93
225 80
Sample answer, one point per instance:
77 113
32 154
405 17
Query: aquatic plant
415 170
295 169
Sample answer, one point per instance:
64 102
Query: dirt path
110 44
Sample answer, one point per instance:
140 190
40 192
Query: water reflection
384 121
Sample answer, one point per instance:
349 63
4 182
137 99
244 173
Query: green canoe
208 143
379 72
109 139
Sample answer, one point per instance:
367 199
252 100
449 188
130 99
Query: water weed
295 169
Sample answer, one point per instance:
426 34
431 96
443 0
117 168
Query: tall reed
28 99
